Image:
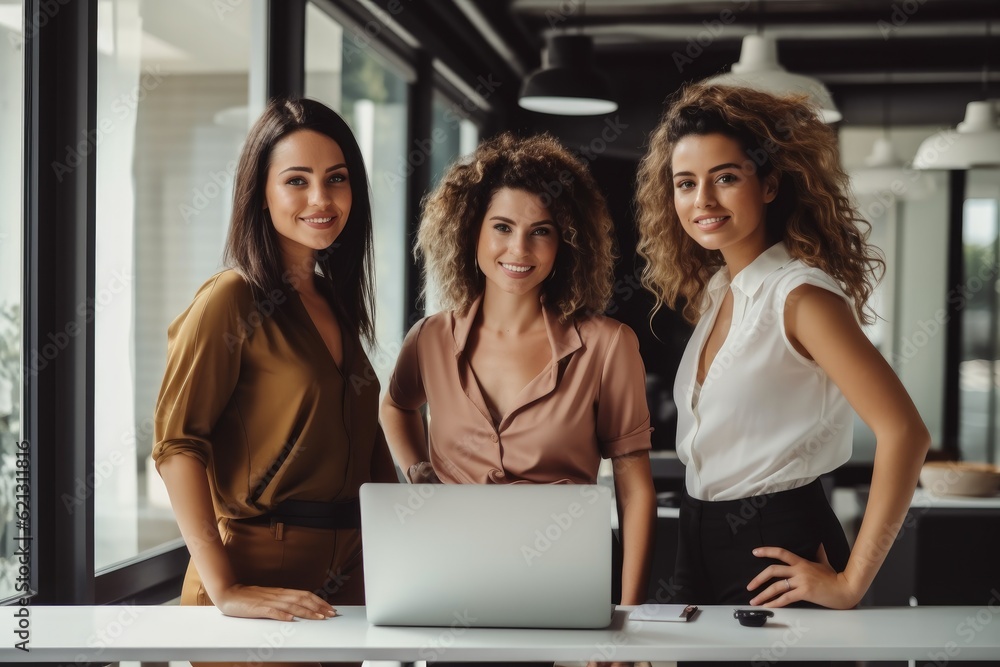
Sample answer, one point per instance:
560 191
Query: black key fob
752 618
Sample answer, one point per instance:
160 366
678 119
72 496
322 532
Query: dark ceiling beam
445 32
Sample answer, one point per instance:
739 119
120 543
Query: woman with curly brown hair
525 380
745 223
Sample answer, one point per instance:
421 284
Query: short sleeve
622 412
406 385
204 349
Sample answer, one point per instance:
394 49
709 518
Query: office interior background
121 122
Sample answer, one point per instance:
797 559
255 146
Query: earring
552 273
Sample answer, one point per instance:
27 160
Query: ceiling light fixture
758 68
885 174
975 142
567 84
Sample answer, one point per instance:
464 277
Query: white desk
110 633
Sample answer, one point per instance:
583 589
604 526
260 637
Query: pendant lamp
885 174
758 68
974 143
567 84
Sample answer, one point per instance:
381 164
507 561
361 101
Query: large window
172 104
345 71
978 370
907 210
454 136
11 243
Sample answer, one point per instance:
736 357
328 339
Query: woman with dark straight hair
263 432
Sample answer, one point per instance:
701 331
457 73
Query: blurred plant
10 433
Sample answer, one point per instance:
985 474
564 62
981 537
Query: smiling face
308 192
518 242
718 196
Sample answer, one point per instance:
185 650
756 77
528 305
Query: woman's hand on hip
282 604
800 579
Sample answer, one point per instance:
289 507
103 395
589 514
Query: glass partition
11 286
978 400
172 99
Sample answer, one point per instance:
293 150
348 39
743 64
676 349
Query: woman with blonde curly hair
525 380
745 223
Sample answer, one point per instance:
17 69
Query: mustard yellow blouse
253 393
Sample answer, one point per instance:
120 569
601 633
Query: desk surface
923 499
110 633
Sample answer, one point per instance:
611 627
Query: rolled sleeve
622 412
406 385
204 351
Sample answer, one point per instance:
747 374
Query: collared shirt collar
749 280
563 336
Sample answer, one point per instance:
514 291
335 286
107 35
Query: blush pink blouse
588 403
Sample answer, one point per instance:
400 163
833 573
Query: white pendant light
758 68
974 143
885 175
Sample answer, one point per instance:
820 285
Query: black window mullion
60 111
418 182
286 47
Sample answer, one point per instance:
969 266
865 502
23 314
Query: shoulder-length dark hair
453 215
252 247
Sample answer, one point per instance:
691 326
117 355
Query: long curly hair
453 213
252 246
812 212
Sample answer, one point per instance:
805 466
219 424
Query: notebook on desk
467 555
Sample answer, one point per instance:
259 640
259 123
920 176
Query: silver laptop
468 555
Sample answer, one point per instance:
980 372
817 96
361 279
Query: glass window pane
454 136
11 244
980 318
920 276
373 99
172 101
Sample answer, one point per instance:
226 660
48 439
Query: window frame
60 108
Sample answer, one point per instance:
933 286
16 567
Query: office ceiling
923 59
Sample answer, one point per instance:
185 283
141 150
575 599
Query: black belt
311 514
